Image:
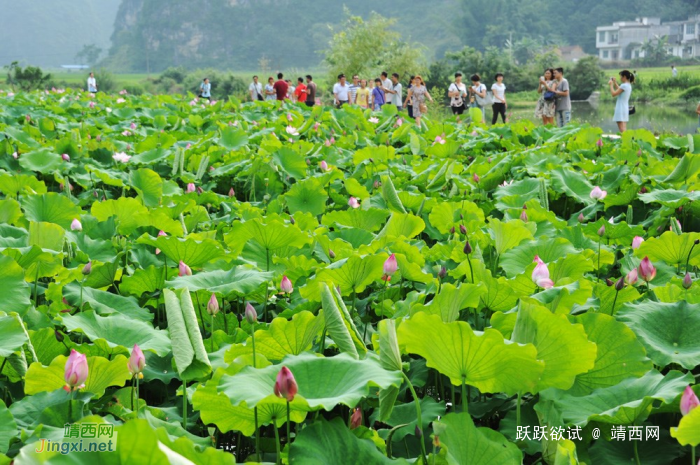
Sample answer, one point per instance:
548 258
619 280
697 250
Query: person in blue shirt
205 89
377 95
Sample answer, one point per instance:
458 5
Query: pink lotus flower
213 305
523 216
632 277
476 178
285 385
190 188
133 126
327 143
65 157
126 133
637 241
121 157
123 92
193 103
15 155
251 316
353 202
290 117
323 165
231 193
87 269
137 361
91 104
646 270
76 371
183 269
108 110
286 285
687 281
540 275
120 100
373 120
599 143
399 122
598 194
390 265
292 131
688 401
356 418
75 225
316 125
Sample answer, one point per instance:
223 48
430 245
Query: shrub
27 79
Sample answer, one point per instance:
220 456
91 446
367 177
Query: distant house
571 53
74 66
624 40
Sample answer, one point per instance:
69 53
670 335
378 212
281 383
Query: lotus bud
462 229
390 265
251 315
598 194
620 284
199 190
323 165
476 178
643 190
467 248
58 335
65 157
637 241
137 361
76 370
356 419
609 282
87 268
523 216
286 285
452 230
15 155
442 273
291 219
581 218
601 231
285 385
231 192
331 254
687 281
75 225
160 233
418 432
213 305
689 401
183 269
190 188
353 202
599 143
540 276
646 270
632 277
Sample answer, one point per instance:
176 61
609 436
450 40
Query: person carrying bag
457 93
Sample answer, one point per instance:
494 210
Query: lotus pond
220 283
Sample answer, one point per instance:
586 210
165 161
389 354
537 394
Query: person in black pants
499 99
410 106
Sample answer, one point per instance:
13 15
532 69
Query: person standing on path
205 89
310 91
91 83
255 90
377 95
674 71
281 88
458 95
270 93
499 99
395 92
622 92
362 98
478 96
386 84
341 92
353 89
417 94
300 91
546 105
563 99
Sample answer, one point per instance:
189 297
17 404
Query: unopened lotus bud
462 229
467 248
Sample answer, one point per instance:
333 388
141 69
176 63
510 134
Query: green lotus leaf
352 275
378 154
620 355
12 334
483 360
129 212
627 403
669 197
233 138
102 373
655 452
274 234
668 331
619 233
190 356
325 442
517 194
451 300
118 330
42 160
671 248
688 430
606 295
8 428
516 260
149 186
405 414
10 211
324 382
403 225
194 253
573 184
562 346
389 352
685 169
446 215
508 235
16 290
339 323
50 208
466 443
143 280
46 236
291 162
234 282
369 220
307 196
106 303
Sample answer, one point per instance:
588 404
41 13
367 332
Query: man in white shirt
353 88
255 90
395 92
92 83
386 85
341 91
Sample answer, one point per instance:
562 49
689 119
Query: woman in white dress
623 92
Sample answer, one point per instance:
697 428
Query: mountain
50 33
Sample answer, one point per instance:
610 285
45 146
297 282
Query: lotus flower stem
419 417
184 405
133 390
212 332
612 311
465 402
277 443
80 307
289 421
636 454
598 269
471 270
199 308
137 397
255 410
36 281
687 260
517 410
692 455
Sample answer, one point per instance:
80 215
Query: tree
585 78
369 47
89 54
27 79
655 51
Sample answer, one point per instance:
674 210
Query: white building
623 40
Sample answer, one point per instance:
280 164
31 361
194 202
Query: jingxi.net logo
82 437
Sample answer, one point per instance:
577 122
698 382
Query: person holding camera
546 105
623 92
457 93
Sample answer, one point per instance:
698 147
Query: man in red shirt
300 92
280 87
